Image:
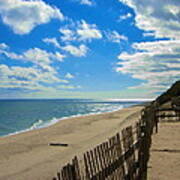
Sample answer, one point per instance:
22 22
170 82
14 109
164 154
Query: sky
105 49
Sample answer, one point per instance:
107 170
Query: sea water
22 115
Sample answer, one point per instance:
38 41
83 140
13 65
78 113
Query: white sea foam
36 124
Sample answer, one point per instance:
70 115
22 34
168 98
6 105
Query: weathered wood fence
122 157
168 114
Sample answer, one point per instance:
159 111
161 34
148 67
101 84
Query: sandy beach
164 161
28 155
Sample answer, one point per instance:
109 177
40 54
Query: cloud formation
69 76
76 51
39 75
30 78
115 37
88 31
3 46
80 31
162 16
36 56
73 50
124 17
23 16
67 34
87 2
156 63
52 41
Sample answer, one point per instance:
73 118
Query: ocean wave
42 124
36 124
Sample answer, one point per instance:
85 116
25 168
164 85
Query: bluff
173 93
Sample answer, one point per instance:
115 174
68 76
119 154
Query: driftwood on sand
58 144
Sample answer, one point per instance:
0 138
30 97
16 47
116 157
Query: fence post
76 169
121 168
128 146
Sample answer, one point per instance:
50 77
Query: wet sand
28 155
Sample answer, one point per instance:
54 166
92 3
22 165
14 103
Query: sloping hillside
171 93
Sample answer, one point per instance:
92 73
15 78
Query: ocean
17 116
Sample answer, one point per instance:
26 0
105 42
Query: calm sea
22 115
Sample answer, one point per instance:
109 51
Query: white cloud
80 31
87 2
68 87
3 46
124 17
11 73
40 76
67 34
58 56
88 31
157 63
76 51
36 56
28 78
162 17
22 16
69 76
146 34
115 37
52 41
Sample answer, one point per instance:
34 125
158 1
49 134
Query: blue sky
124 49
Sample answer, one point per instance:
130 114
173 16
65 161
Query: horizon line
102 99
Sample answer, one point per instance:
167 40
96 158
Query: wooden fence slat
101 164
76 168
71 172
114 156
87 173
127 143
113 150
107 157
97 162
102 147
59 176
64 173
118 153
90 163
67 172
93 162
121 169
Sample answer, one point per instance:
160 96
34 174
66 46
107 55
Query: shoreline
28 156
57 120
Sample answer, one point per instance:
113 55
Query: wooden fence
122 157
167 114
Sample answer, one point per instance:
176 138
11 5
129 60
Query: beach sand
164 161
28 156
